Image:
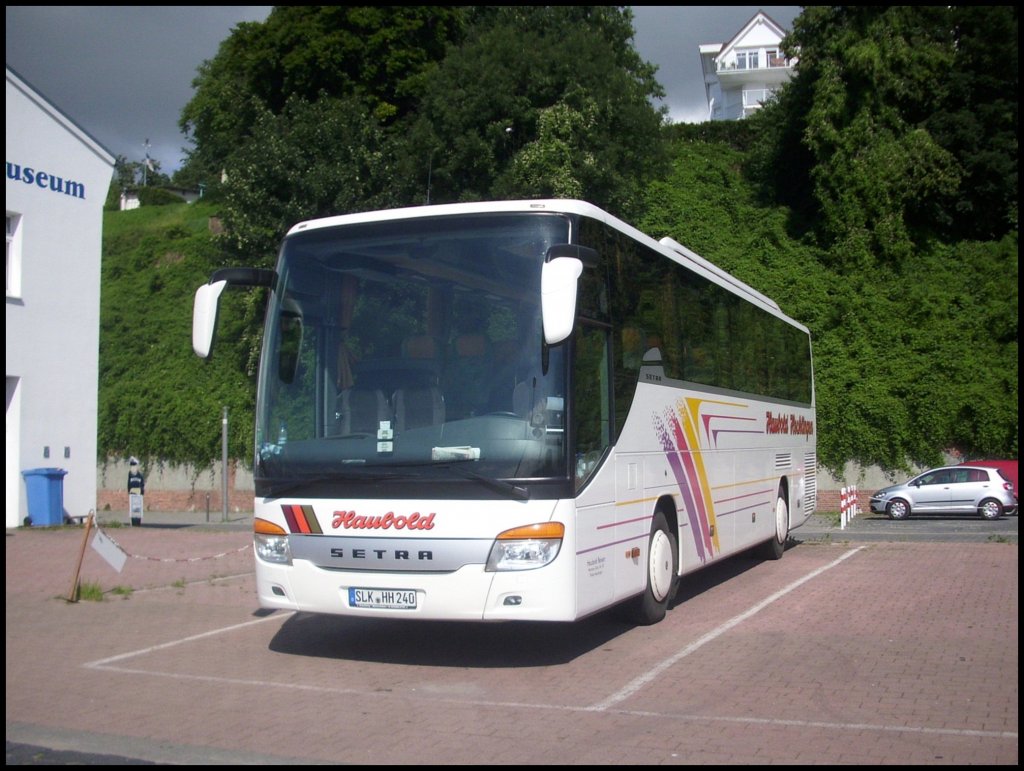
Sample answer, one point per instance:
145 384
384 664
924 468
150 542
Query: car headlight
526 548
270 542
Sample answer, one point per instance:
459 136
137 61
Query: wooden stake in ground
73 594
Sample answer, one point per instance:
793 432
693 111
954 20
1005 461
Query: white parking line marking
629 689
607 705
103 663
673 717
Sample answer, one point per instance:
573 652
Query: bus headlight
526 548
270 542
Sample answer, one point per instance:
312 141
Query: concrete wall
179 488
175 488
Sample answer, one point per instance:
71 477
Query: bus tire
662 575
774 548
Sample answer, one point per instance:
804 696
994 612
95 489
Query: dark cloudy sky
124 73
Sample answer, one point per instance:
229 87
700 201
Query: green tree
562 87
129 175
312 159
579 99
558 163
867 81
977 120
376 54
901 124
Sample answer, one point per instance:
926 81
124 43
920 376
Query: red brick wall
830 500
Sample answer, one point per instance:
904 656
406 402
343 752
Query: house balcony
770 63
778 72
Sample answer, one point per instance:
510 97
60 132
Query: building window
12 262
747 60
755 97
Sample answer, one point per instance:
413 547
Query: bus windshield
411 350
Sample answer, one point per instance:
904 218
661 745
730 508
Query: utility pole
147 164
224 464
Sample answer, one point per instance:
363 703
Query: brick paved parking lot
843 652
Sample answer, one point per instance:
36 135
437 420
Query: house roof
758 18
34 95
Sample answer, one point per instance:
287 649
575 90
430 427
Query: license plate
392 599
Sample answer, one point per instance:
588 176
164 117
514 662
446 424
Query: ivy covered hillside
874 197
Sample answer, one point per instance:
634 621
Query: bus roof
556 206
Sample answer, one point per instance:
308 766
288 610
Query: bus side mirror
558 297
204 316
204 307
563 265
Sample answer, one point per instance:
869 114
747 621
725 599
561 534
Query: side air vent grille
810 483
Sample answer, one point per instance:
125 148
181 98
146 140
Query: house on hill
741 74
131 198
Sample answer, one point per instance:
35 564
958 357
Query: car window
960 475
940 477
978 475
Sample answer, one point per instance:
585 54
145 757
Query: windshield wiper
516 492
277 488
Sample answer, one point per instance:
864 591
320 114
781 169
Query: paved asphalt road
864 528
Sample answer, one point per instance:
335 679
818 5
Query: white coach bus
519 410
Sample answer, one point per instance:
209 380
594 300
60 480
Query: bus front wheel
662 574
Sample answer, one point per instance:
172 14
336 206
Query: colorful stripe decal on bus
301 519
673 456
678 431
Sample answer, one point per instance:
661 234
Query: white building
57 180
741 74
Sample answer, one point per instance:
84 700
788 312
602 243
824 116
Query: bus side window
592 400
632 347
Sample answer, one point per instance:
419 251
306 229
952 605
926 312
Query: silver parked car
949 490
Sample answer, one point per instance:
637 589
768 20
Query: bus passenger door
633 521
595 477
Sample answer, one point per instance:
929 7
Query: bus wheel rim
660 567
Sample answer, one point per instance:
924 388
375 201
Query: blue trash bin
45 487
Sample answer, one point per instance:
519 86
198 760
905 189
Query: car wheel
990 508
662 575
898 509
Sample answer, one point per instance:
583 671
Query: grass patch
90 591
833 517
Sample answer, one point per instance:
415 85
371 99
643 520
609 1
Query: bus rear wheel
774 548
662 575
